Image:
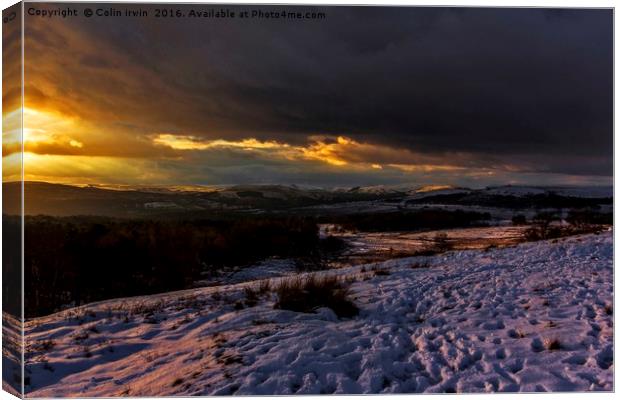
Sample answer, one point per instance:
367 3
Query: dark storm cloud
526 87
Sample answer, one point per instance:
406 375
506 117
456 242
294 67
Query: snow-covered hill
576 191
535 317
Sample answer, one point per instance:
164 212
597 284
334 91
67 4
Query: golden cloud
39 134
183 142
339 151
91 170
63 148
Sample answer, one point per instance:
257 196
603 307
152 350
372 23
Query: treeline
412 220
537 201
11 266
589 217
546 225
76 260
576 218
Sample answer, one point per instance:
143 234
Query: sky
365 96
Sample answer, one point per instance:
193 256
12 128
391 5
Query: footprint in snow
537 345
500 354
575 360
493 325
515 366
605 358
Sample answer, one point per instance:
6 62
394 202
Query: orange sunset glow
101 108
250 199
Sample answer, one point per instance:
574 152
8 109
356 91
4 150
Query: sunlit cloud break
339 151
185 142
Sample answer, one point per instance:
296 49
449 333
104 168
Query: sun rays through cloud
390 110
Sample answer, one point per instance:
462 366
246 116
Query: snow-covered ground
11 354
574 191
464 321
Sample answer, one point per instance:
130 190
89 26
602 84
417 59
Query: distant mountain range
126 201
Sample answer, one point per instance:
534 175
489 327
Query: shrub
584 218
307 294
519 219
332 244
425 252
552 344
542 228
441 242
380 271
420 264
264 286
545 232
545 218
314 262
44 345
251 296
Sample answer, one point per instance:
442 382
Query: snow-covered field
533 317
378 246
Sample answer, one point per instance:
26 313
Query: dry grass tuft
44 345
307 294
377 271
420 264
551 324
264 286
